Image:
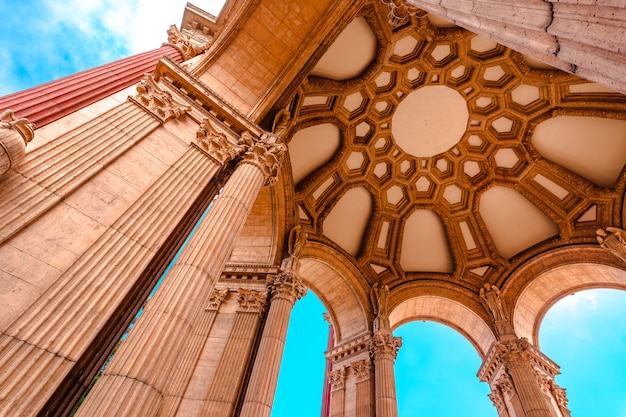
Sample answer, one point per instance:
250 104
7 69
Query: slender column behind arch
138 375
286 289
337 381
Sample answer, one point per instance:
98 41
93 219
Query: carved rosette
15 134
337 379
251 301
266 155
286 285
184 44
156 101
216 299
384 345
399 12
362 369
613 240
216 144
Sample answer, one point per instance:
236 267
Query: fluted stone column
286 288
337 381
363 373
226 386
136 379
384 349
176 388
521 380
15 133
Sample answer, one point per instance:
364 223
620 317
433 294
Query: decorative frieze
337 379
157 101
251 301
15 134
216 299
349 348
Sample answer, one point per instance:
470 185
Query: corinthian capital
362 369
15 133
216 299
337 379
215 143
251 301
158 102
613 240
186 46
384 345
264 153
286 285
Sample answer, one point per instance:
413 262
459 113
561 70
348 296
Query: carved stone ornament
613 240
379 298
384 345
362 369
187 47
497 400
490 296
286 285
504 384
514 352
216 299
337 379
264 153
15 133
251 301
560 395
157 101
282 123
216 144
399 12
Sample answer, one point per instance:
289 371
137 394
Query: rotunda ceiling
447 156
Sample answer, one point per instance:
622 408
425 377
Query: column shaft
76 321
136 378
386 405
533 400
51 101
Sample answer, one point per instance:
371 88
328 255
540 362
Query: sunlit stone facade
271 128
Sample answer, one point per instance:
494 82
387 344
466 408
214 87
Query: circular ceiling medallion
430 121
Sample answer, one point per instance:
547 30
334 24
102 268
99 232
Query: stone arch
550 277
448 312
339 286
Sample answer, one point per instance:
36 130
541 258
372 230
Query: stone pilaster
337 381
521 378
286 288
15 133
384 349
226 386
362 370
138 374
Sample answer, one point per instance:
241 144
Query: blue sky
585 333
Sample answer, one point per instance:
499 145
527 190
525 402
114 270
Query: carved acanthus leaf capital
504 385
264 153
216 144
515 352
497 400
384 345
158 101
216 299
21 125
613 240
362 369
337 379
251 301
400 11
286 285
188 48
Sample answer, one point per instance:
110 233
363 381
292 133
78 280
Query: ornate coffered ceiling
426 152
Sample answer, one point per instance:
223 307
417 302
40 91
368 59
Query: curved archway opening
435 361
585 334
302 371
